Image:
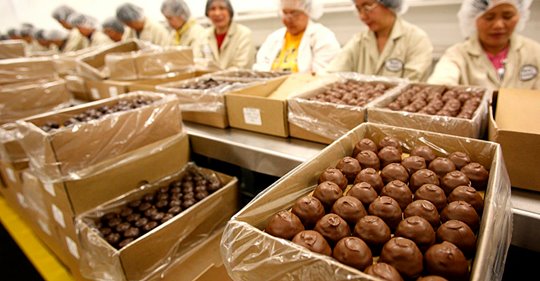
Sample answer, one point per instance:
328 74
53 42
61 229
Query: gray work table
276 156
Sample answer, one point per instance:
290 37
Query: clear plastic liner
66 63
25 99
11 151
331 120
78 151
32 194
153 253
26 69
249 75
10 49
251 254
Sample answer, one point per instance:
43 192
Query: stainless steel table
276 156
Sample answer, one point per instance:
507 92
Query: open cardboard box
10 49
92 65
472 128
249 75
515 126
26 70
249 253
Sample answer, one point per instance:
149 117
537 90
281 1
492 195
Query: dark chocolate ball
387 209
313 241
349 208
390 141
399 191
422 177
432 278
425 152
374 231
433 194
113 238
354 252
149 226
372 177
332 227
417 229
363 192
469 195
424 209
460 159
368 159
132 232
394 171
404 255
384 271
453 180
335 176
446 260
363 145
441 166
327 192
461 211
459 234
125 242
349 167
122 227
413 164
477 173
284 224
309 209
388 155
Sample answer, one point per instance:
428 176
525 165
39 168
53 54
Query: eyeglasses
367 8
290 13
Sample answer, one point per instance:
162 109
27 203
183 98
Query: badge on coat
528 72
394 65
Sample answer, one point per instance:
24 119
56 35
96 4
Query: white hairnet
175 8
113 24
39 34
62 12
312 8
471 10
84 21
128 12
399 7
55 35
27 29
13 32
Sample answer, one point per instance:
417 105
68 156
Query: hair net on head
39 34
312 8
55 35
399 7
13 32
227 3
84 21
113 24
128 12
27 29
178 8
62 12
471 10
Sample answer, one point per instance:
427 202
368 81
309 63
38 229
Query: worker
302 45
39 36
14 34
57 38
389 47
87 26
141 27
185 30
32 46
114 29
226 44
493 55
75 40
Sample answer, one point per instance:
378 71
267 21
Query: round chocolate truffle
460 159
384 271
394 171
354 252
414 164
368 159
441 166
477 174
363 192
387 209
390 141
404 255
313 241
399 191
432 278
433 194
363 145
447 260
422 177
309 209
327 192
424 209
469 195
425 152
335 176
372 177
284 224
388 155
418 230
350 209
461 211
332 227
459 234
374 231
349 167
453 180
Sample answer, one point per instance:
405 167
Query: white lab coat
99 39
75 41
317 48
152 32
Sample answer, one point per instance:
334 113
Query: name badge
528 72
394 65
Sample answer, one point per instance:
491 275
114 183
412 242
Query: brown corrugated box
12 49
515 126
26 70
251 254
92 65
77 87
151 84
102 89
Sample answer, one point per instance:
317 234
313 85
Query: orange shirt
287 60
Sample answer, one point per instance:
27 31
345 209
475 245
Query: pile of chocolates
138 217
97 113
438 100
419 214
255 74
205 84
352 92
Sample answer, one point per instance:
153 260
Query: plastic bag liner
12 49
26 69
251 254
249 75
11 151
154 252
76 151
25 99
472 128
332 120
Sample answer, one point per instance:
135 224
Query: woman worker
114 29
493 56
141 27
87 26
186 31
75 40
302 45
227 44
390 47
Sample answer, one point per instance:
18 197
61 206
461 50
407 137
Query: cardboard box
11 151
249 75
151 84
77 87
66 63
162 245
92 65
102 89
472 128
12 49
77 151
249 253
26 70
515 126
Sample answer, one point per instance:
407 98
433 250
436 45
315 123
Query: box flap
517 110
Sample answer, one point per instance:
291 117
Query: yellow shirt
287 60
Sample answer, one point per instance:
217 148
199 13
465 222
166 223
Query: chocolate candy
446 260
372 177
441 166
403 255
125 242
364 145
351 92
332 227
354 252
459 234
141 222
313 241
469 195
363 192
205 84
387 209
368 159
349 167
284 224
383 271
425 152
432 278
132 232
394 171
399 191
327 192
390 141
349 208
433 194
335 176
424 209
414 164
417 229
453 180
460 159
374 231
149 226
422 177
122 227
388 155
113 238
309 210
477 174
462 211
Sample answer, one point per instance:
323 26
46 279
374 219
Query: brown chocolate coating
458 233
113 238
332 227
132 232
368 159
441 166
446 260
350 209
399 191
363 192
327 192
424 209
394 171
404 255
349 167
433 194
453 180
122 227
413 164
284 224
309 209
374 231
460 159
417 229
372 177
313 241
432 278
425 152
478 175
390 141
387 209
354 252
335 176
469 195
422 177
149 226
388 155
125 242
363 145
384 271
461 211
141 222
